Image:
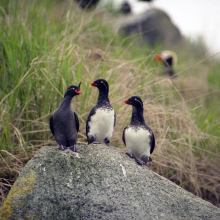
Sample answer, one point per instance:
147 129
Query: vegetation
45 46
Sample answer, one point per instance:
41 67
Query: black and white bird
169 59
87 3
64 123
138 137
101 120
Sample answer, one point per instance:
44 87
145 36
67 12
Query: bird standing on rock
101 120
169 59
64 123
138 137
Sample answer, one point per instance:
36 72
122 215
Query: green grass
45 46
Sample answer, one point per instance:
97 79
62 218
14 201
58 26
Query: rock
155 27
98 183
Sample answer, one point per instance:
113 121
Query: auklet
87 3
126 8
169 59
101 120
138 137
64 123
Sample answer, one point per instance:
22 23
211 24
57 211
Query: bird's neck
103 98
66 103
137 117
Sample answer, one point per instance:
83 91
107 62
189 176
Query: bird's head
135 101
168 57
101 84
73 90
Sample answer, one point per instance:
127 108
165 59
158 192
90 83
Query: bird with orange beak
64 123
138 137
169 59
101 120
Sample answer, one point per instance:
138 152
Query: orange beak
158 57
93 84
127 102
78 92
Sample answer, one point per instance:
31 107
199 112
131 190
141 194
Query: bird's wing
51 125
123 135
114 118
152 142
92 112
77 122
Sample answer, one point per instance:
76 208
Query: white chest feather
102 125
137 141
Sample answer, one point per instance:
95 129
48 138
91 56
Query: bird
101 119
169 59
87 3
138 137
64 123
125 8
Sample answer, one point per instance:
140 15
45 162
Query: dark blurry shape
87 3
169 59
154 26
126 8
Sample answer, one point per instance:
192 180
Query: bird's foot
106 140
130 155
61 147
140 162
73 148
90 139
145 158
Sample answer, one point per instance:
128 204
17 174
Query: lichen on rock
23 185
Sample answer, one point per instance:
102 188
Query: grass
47 46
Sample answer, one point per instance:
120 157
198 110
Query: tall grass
47 46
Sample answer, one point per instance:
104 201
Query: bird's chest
137 140
64 119
102 122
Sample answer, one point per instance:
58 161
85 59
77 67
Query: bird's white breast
102 124
137 141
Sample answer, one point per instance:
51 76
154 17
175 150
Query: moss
24 185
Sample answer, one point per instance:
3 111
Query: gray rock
155 27
98 183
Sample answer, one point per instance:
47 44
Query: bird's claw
73 148
140 162
61 147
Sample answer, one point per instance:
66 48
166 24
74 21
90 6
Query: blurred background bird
87 3
169 60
